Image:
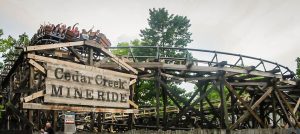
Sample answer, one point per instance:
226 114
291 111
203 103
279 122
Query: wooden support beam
201 103
154 65
131 121
75 65
77 55
55 123
91 57
157 96
132 82
285 116
172 76
289 82
289 108
38 66
186 109
165 103
92 121
256 104
248 83
19 114
33 96
202 78
128 61
223 102
52 46
146 75
245 104
274 113
113 57
296 106
76 108
133 104
213 109
165 87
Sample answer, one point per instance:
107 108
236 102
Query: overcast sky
268 29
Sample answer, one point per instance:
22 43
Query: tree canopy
7 46
166 30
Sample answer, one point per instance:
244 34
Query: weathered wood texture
213 131
84 87
112 56
75 108
75 65
194 68
52 46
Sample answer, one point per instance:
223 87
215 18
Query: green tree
166 30
7 47
126 51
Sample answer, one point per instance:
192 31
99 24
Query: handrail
285 71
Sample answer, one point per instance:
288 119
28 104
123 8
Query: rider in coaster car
84 35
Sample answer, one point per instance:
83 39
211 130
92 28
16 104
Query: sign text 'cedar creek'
88 86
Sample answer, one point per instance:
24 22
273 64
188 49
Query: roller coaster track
274 67
252 92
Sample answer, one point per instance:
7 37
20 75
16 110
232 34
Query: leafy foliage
7 46
126 51
166 30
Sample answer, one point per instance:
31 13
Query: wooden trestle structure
250 96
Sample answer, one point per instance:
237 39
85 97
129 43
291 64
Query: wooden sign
86 85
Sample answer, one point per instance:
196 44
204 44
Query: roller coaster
251 92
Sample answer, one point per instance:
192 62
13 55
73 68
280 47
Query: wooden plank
248 83
55 123
52 46
289 82
84 94
91 56
75 65
157 96
172 76
128 61
296 106
285 113
113 57
223 102
33 96
289 108
76 108
245 104
133 104
77 55
256 104
202 78
132 82
193 68
37 65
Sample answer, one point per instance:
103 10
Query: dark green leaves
7 46
166 30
